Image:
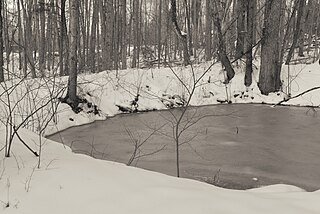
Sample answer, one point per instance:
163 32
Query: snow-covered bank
159 88
73 183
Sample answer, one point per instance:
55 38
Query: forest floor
66 182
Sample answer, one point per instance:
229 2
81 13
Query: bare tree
241 11
298 29
1 46
222 52
42 45
73 60
181 35
251 5
269 77
208 35
63 41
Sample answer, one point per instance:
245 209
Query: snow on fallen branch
298 95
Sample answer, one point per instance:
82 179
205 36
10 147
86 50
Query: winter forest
159 106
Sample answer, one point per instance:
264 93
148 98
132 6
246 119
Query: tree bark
124 34
1 45
135 33
222 46
42 45
159 32
182 36
63 41
93 37
241 9
208 35
106 14
249 41
269 77
73 60
298 30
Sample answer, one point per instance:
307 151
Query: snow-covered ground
158 88
74 183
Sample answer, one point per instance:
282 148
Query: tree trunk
42 45
249 41
73 60
124 34
106 14
20 39
135 33
222 46
28 40
159 32
298 30
241 9
208 35
93 37
49 35
269 77
182 36
64 41
1 45
189 31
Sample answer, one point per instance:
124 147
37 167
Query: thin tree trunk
159 32
20 39
241 9
250 39
42 45
93 37
135 33
222 46
181 36
188 22
64 41
73 60
124 34
297 31
208 35
28 40
1 45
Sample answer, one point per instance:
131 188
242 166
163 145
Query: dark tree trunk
42 45
208 35
269 77
222 46
249 41
241 9
298 30
124 34
182 36
63 41
73 60
159 33
106 16
1 45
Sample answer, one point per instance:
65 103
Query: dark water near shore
235 146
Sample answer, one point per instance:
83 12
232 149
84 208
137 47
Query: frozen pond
243 146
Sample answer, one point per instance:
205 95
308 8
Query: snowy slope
73 183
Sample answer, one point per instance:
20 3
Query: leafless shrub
138 144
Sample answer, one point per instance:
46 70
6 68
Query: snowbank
74 183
